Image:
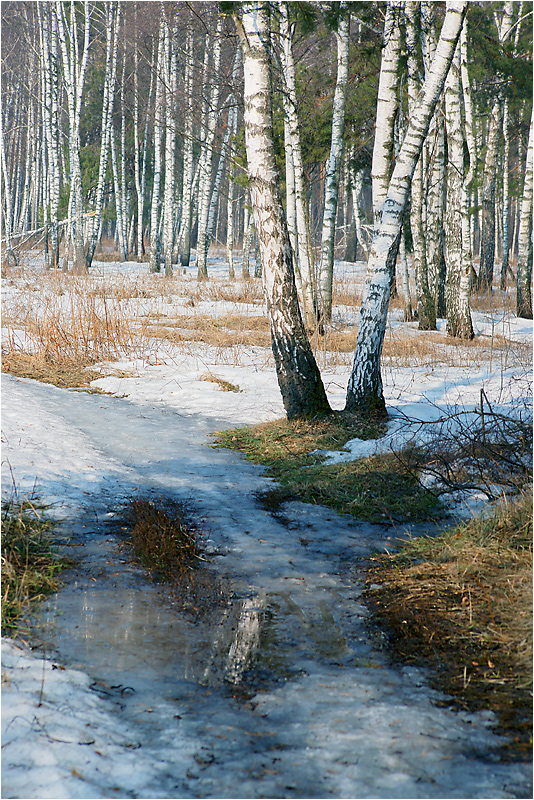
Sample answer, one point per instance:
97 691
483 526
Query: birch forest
397 133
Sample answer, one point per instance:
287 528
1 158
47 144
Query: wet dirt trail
277 691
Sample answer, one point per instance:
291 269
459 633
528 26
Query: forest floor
272 679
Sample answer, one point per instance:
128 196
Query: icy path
338 723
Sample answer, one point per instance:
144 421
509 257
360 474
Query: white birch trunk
296 190
365 392
298 376
230 225
357 176
187 172
7 211
333 168
426 310
74 70
487 244
524 261
155 240
170 151
456 218
386 111
207 159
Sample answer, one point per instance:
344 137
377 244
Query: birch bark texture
297 210
74 69
457 216
298 376
365 389
333 166
524 262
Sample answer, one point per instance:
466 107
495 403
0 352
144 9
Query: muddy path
275 691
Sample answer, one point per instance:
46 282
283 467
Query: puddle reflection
131 631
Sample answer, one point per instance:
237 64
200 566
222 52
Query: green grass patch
30 561
461 604
380 488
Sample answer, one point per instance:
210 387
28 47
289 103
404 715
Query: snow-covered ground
342 724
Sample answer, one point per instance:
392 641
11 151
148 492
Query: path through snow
337 722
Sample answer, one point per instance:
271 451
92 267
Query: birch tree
297 212
170 87
207 155
333 167
74 68
386 111
112 31
187 169
298 376
524 262
50 114
426 309
159 116
456 218
487 243
365 390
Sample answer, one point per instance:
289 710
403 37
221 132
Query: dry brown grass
224 386
225 331
165 541
66 374
104 316
461 604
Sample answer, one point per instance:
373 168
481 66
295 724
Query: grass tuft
224 386
461 604
162 539
30 563
380 488
167 544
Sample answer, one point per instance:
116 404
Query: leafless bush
484 450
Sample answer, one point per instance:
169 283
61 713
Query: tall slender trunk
170 150
74 70
207 155
297 207
187 172
230 212
333 167
299 379
456 218
386 111
365 391
487 245
356 183
155 239
426 311
524 262
7 211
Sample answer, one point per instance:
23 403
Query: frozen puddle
277 692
